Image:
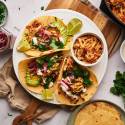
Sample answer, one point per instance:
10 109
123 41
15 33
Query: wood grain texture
110 30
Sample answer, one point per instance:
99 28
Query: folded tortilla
34 26
22 68
63 99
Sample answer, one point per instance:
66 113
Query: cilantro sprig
78 72
47 59
119 85
2 13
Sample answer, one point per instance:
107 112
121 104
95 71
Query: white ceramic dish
85 63
122 51
88 26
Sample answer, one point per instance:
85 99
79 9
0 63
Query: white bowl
81 62
122 51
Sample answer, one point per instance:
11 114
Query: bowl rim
121 50
81 62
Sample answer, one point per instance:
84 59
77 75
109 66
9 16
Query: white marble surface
17 18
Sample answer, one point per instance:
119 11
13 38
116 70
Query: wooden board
111 31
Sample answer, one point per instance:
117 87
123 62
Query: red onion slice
3 39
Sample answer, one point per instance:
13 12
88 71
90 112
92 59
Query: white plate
88 26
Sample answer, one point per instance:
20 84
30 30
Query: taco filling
43 34
43 70
75 81
118 8
47 38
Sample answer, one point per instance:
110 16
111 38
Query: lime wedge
47 94
74 26
23 46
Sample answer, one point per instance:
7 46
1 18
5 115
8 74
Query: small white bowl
85 63
122 50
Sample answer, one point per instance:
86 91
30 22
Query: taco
38 74
75 84
45 33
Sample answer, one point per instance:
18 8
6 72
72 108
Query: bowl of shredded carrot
87 49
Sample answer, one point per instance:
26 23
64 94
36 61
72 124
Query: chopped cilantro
87 81
59 44
48 80
50 63
119 85
53 44
77 72
80 72
84 74
32 43
42 47
40 61
56 44
2 13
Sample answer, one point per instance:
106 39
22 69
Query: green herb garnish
9 114
119 85
48 80
53 44
42 47
39 62
50 63
32 81
46 59
55 18
59 44
78 72
2 13
56 44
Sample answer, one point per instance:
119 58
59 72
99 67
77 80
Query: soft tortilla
98 113
36 53
30 31
63 99
22 73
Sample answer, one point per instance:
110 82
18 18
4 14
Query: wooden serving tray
112 33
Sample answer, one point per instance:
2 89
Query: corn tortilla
63 99
98 113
